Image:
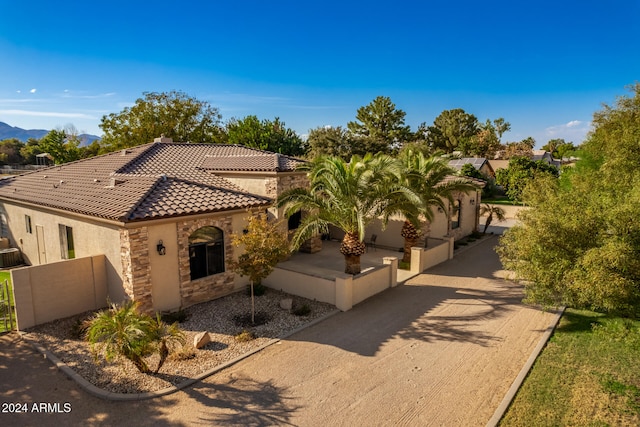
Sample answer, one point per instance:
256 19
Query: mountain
8 132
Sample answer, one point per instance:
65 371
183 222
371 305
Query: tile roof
150 181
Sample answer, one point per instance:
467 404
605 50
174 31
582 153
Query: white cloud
18 91
575 130
32 91
47 114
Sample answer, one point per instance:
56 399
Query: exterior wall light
473 201
160 248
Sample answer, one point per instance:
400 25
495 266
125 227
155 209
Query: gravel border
120 380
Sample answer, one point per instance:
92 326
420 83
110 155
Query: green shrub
245 336
258 289
303 310
124 332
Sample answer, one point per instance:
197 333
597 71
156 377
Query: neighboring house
543 155
479 163
161 213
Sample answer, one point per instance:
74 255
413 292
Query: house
481 164
546 157
161 213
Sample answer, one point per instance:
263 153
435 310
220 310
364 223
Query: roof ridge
141 199
137 156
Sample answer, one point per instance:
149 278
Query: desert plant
303 310
164 336
245 336
122 331
491 211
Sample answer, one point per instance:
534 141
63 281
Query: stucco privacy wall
340 289
53 291
90 237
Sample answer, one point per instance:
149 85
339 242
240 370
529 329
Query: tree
579 243
559 148
427 178
329 141
486 141
265 245
490 211
61 146
379 127
349 195
519 173
522 148
172 114
10 151
265 135
30 150
451 130
123 331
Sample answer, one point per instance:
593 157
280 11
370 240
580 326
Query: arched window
206 252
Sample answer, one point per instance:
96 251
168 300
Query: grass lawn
501 201
587 375
5 275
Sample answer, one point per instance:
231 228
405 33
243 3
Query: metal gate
7 308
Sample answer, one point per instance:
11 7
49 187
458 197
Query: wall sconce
473 201
160 248
440 209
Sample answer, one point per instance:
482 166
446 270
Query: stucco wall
90 238
53 291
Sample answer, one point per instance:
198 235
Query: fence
340 289
7 315
53 291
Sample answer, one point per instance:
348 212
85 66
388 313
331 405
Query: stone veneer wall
276 186
136 271
210 287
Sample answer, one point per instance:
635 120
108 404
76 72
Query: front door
42 252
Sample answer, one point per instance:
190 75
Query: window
455 215
66 242
206 252
27 221
294 221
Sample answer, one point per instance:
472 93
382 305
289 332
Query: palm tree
164 336
122 331
491 211
349 196
432 180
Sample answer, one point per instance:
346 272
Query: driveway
442 349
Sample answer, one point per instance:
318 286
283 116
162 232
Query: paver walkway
443 349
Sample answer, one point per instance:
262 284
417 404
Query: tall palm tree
491 211
431 178
349 196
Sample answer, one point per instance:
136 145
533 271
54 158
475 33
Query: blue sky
544 66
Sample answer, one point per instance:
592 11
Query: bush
303 310
124 332
245 336
179 316
258 289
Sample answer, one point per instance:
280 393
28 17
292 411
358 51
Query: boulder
201 339
286 303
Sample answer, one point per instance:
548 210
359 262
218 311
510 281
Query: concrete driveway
442 349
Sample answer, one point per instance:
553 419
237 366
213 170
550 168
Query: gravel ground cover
218 317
